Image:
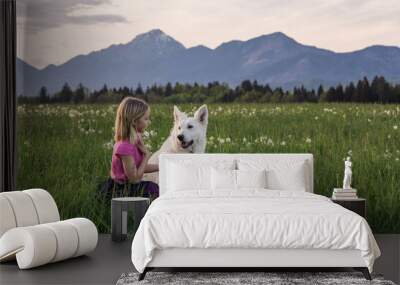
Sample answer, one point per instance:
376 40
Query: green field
66 149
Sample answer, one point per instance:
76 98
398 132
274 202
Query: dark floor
110 260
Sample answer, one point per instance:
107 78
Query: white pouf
31 231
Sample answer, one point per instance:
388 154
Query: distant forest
376 91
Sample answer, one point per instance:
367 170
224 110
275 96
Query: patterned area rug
229 278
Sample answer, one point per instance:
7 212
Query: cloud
39 15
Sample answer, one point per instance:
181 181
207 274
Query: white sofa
31 231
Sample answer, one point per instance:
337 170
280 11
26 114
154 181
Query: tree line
363 91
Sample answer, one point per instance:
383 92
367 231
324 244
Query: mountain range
156 58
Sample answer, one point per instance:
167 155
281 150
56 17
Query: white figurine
347 174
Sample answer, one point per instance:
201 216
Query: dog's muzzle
186 144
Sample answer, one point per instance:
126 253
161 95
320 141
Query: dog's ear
178 114
202 114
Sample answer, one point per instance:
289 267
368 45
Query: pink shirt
124 148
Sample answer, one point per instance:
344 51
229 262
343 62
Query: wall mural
276 77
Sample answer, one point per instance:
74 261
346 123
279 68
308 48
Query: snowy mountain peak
153 35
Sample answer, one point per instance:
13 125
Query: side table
119 215
358 205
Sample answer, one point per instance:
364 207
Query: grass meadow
66 149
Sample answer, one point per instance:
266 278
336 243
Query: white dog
188 135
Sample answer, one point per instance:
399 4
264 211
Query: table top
349 199
130 199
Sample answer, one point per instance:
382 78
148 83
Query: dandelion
244 139
108 145
350 152
283 143
145 134
270 142
72 113
395 127
228 139
308 140
316 117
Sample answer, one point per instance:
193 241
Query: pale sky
53 31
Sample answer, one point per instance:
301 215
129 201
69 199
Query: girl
130 155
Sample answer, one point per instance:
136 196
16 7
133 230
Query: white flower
283 143
350 152
228 139
308 140
108 145
270 142
395 127
316 117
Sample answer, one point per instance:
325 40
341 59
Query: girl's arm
151 167
134 174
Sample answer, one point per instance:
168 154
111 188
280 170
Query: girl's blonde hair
129 110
